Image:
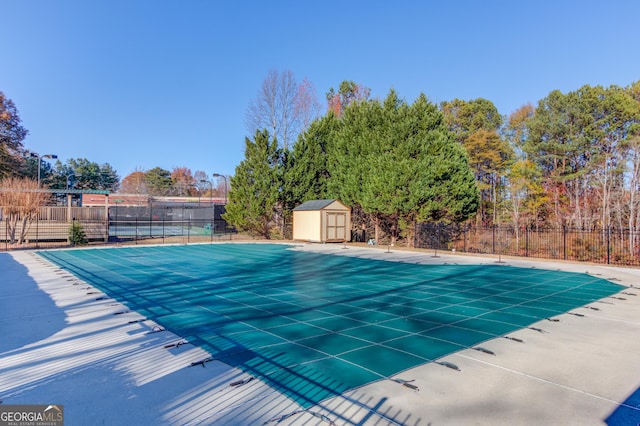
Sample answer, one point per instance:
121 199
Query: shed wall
307 226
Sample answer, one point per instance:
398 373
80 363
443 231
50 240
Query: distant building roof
79 191
314 205
61 191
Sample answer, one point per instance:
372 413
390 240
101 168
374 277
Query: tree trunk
376 227
12 222
26 224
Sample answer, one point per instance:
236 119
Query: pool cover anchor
539 330
553 319
156 329
618 298
406 383
202 362
484 350
241 382
515 339
176 344
449 365
283 417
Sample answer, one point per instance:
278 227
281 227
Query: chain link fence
50 226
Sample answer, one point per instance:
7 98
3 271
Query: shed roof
314 205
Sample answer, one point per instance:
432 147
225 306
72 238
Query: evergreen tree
475 125
158 181
434 181
464 118
80 173
401 165
307 172
77 236
256 187
12 133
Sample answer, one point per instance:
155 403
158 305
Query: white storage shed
322 221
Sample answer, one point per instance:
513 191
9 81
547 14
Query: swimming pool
315 325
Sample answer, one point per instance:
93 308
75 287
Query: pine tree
307 175
401 164
256 187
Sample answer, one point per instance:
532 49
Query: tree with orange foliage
183 182
475 124
134 183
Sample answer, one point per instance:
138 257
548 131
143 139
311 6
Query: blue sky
145 83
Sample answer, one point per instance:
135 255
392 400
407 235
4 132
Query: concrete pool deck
62 346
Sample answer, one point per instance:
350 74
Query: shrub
77 236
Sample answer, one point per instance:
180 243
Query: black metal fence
609 246
168 230
186 224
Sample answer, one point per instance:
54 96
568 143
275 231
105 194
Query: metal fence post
415 234
493 238
37 227
609 244
464 239
526 241
564 241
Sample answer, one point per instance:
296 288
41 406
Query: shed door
336 226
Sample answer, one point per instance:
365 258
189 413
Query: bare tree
282 107
20 200
202 181
307 105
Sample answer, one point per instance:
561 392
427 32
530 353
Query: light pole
40 157
225 185
69 185
210 189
